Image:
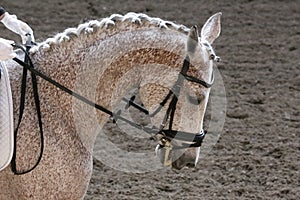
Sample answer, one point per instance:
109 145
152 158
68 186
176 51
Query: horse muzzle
176 158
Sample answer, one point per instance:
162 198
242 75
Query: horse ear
193 39
212 28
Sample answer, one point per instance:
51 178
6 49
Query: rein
194 139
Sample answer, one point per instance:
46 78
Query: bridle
162 133
167 133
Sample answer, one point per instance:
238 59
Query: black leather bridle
194 139
166 134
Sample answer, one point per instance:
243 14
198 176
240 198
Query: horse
102 60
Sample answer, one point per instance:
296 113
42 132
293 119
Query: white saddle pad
6 119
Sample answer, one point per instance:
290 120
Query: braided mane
108 23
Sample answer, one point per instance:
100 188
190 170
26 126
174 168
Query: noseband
165 135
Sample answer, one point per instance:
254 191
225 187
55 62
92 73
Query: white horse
102 61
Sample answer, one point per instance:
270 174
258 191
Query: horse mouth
166 156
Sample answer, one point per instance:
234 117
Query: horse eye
212 57
194 99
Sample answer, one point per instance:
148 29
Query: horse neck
105 64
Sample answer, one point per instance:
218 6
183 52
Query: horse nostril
190 165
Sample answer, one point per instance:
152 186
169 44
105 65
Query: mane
139 19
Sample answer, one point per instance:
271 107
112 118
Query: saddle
6 118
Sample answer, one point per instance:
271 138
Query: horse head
192 99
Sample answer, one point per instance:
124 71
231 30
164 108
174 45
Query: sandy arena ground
257 154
